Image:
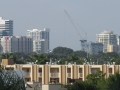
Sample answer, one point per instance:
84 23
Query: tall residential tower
109 40
12 44
40 40
6 27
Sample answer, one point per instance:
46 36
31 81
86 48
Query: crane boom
72 23
82 40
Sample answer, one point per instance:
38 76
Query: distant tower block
6 27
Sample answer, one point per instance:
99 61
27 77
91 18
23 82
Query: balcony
54 74
40 74
80 74
27 74
69 74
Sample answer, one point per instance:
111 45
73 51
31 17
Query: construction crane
82 40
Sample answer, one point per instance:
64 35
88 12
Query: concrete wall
51 87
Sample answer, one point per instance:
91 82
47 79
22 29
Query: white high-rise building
109 40
40 40
11 44
6 27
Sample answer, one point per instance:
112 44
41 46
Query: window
40 69
27 70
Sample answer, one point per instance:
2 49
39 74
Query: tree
62 50
82 85
74 58
80 53
113 82
7 56
10 80
38 58
13 56
112 54
55 56
97 79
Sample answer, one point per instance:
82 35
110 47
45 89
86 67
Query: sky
90 17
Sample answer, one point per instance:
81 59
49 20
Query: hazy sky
91 16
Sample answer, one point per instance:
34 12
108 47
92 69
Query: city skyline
92 16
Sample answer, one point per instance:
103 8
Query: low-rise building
64 74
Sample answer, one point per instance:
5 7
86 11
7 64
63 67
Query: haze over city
92 16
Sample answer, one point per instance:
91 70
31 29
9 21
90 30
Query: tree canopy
62 50
97 81
10 80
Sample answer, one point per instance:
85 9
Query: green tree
82 85
13 56
97 79
80 53
40 58
10 80
7 56
62 50
112 55
113 82
74 58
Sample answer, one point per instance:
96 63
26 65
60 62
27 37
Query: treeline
96 81
62 54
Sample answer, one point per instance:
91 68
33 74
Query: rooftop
107 32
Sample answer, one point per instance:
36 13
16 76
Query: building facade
6 27
118 42
92 47
40 39
63 74
11 44
95 48
109 40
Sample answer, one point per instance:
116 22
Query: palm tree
7 56
38 59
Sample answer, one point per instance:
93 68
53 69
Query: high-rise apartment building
40 39
109 40
6 27
118 42
92 47
11 44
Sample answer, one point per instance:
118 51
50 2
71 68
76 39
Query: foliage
74 58
7 56
62 50
94 81
55 56
97 79
38 59
113 82
80 53
9 80
81 86
62 54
